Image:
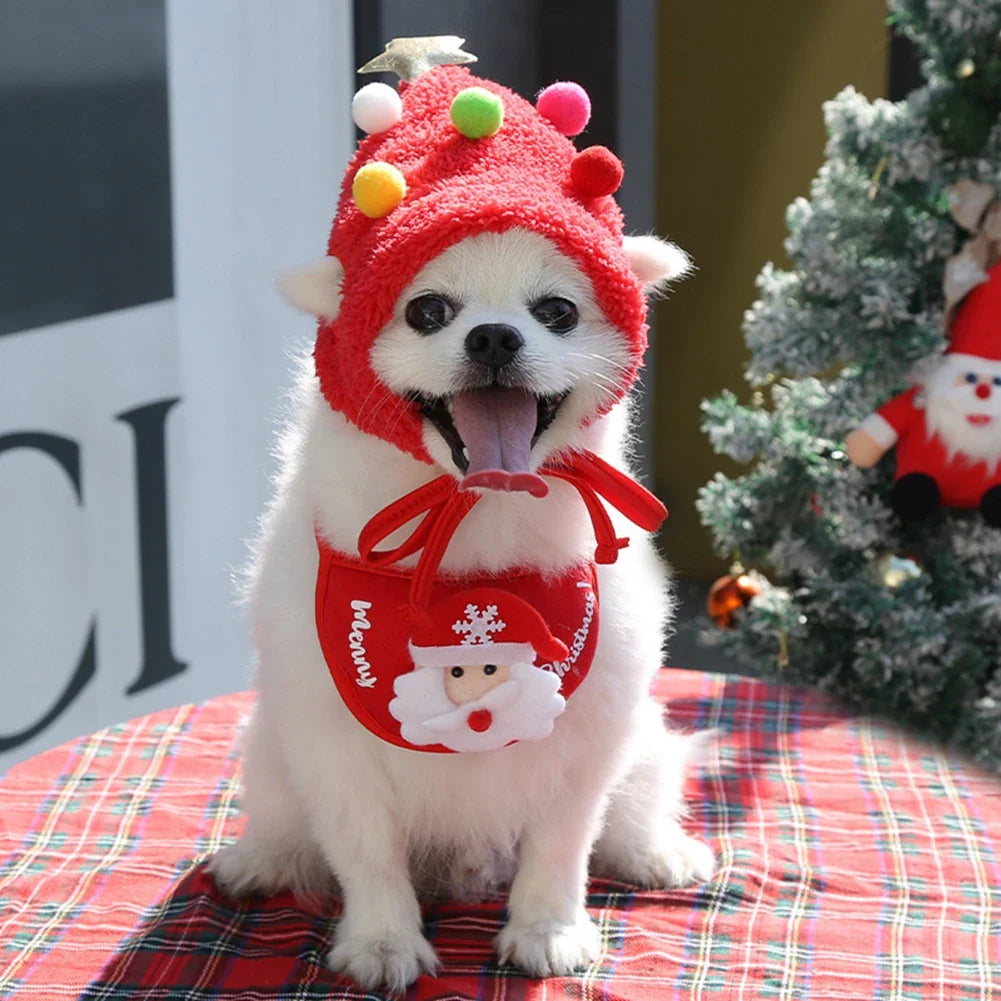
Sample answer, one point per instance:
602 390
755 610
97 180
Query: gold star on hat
408 58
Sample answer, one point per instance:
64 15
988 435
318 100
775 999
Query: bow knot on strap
441 506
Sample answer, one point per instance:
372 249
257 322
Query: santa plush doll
476 685
947 428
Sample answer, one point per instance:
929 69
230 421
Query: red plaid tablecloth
855 862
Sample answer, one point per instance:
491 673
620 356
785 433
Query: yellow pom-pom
377 189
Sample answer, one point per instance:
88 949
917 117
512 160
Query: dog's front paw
249 866
239 870
392 962
681 861
549 948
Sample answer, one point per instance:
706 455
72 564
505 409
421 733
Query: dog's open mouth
490 433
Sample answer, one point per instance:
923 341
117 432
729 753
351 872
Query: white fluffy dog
324 795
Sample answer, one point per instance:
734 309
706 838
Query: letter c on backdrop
66 453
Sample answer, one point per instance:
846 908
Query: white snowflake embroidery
478 626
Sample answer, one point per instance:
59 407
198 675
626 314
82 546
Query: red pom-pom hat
458 187
483 626
976 331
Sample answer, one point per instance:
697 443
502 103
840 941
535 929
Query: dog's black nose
493 344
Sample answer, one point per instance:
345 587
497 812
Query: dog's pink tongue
497 425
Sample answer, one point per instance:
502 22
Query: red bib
364 627
408 649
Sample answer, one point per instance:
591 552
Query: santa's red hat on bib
483 626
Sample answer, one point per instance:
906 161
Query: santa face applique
475 686
522 704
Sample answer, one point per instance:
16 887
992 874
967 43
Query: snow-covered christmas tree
888 599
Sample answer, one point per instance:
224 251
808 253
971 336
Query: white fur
496 277
323 794
950 399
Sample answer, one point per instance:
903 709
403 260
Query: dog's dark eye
457 672
428 313
559 315
489 668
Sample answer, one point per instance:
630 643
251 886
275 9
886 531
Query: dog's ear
315 288
656 262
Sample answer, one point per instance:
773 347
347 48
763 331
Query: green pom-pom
477 113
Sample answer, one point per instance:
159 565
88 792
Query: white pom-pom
376 108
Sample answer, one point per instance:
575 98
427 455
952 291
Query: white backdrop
146 433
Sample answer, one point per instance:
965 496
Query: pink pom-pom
566 105
596 171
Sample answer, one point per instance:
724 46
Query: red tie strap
443 506
640 506
428 500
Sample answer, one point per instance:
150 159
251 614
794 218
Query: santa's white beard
525 710
947 409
